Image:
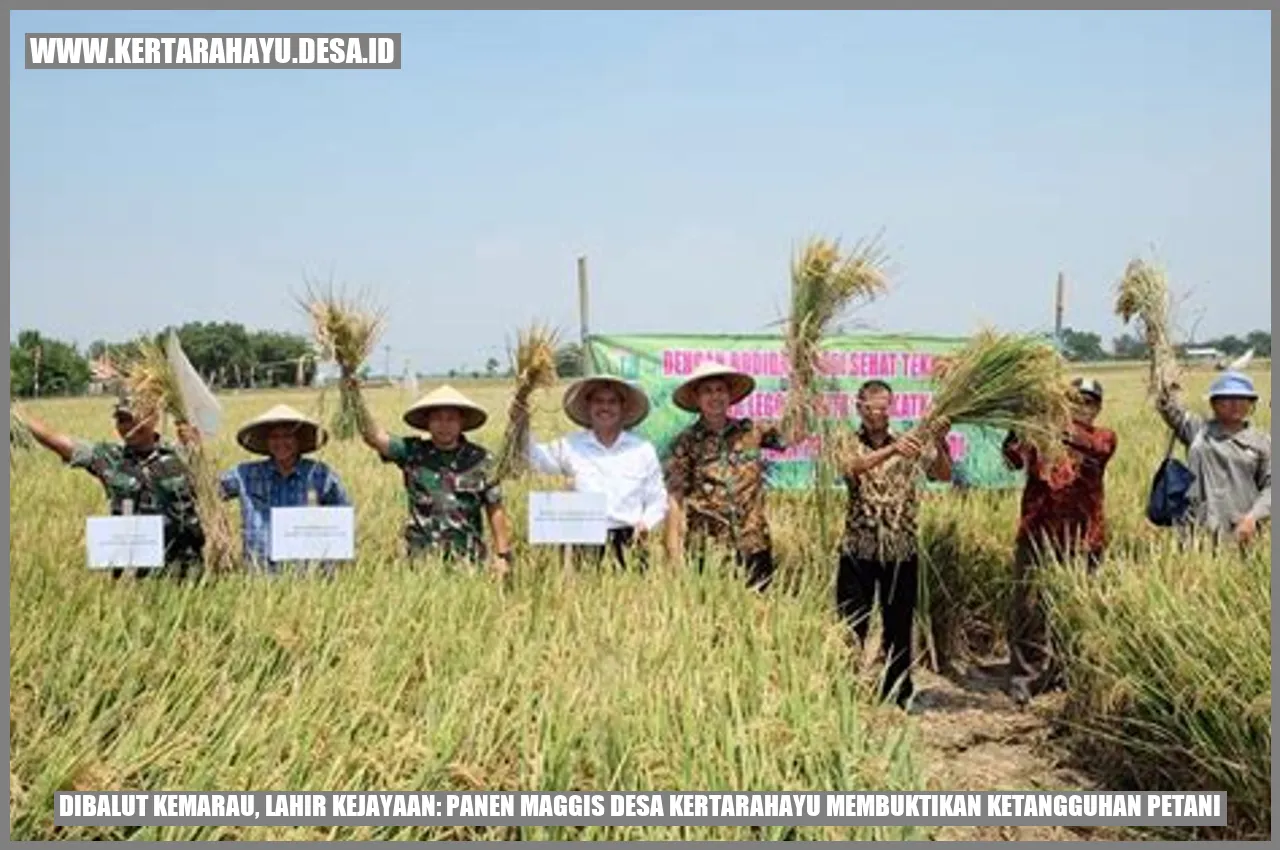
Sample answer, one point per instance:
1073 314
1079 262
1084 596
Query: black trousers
858 584
623 546
759 566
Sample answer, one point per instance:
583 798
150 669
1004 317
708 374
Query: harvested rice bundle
824 285
534 363
20 438
345 331
153 385
1006 381
1144 294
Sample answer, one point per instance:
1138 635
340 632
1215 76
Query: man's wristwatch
506 556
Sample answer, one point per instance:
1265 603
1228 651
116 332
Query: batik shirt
447 493
260 486
157 481
721 478
884 504
1063 503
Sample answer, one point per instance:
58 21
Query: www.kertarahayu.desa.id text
212 50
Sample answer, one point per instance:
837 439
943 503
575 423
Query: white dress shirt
628 473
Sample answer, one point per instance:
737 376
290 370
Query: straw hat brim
473 417
253 437
740 385
635 404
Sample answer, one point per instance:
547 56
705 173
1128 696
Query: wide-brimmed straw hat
740 384
253 435
473 415
635 404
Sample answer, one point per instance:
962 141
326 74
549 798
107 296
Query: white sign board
313 534
560 517
122 542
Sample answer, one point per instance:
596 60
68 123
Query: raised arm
57 442
1184 424
940 467
860 461
374 435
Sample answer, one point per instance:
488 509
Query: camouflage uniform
721 477
447 492
157 481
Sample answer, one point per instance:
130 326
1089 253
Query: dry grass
344 330
825 284
1143 293
534 363
154 388
1005 381
428 680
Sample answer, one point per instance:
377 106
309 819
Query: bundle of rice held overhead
825 284
1144 294
152 386
1005 381
534 363
345 331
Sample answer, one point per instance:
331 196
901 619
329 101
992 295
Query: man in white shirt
606 458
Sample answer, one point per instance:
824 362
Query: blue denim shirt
260 487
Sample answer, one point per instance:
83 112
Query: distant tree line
226 353
1087 346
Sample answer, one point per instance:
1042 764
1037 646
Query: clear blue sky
685 153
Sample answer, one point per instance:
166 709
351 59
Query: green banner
659 364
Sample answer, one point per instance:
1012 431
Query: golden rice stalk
153 388
534 363
344 331
1006 381
825 284
1144 294
150 384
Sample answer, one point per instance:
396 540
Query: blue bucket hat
1232 385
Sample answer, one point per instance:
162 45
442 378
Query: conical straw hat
252 436
740 385
635 404
473 415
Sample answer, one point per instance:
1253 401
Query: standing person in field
605 457
1229 456
284 479
1063 515
141 475
880 550
716 475
448 479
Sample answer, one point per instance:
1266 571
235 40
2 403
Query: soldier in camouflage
716 474
142 475
448 480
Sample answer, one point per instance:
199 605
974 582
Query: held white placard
313 534
560 517
124 542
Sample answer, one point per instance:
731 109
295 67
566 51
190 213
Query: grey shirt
1233 471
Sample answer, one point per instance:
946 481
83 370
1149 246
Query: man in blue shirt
285 479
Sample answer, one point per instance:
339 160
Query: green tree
44 366
569 360
1129 347
491 366
1082 345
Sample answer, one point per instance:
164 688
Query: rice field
400 679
